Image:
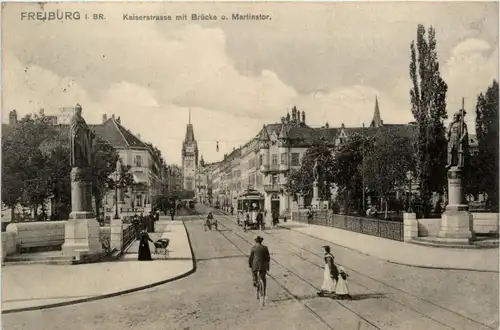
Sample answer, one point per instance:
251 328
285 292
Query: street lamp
409 177
117 180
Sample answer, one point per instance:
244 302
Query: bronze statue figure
81 140
316 171
458 139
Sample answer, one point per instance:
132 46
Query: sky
329 59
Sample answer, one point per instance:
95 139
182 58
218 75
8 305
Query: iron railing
129 234
393 230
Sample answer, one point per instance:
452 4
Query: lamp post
117 182
409 177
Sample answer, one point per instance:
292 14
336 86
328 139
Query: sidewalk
36 286
401 252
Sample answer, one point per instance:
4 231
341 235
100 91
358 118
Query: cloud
469 71
235 78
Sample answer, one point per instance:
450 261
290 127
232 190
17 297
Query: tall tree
301 180
347 170
387 165
25 158
428 99
487 136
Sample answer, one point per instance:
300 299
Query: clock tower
189 157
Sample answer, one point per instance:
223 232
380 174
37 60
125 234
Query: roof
283 132
189 133
377 120
112 131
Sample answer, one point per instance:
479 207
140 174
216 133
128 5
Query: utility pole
363 163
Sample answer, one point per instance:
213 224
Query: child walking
341 289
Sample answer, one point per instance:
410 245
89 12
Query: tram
249 202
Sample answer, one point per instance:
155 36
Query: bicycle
261 287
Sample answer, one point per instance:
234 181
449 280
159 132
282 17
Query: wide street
219 295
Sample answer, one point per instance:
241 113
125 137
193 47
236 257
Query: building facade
266 160
134 154
138 157
189 155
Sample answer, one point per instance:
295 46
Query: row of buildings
151 176
260 167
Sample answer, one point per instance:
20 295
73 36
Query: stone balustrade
483 223
8 244
21 236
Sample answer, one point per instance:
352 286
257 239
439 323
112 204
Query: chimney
327 125
13 117
303 117
118 120
42 112
294 114
113 116
288 117
104 118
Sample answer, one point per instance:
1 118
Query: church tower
377 120
189 157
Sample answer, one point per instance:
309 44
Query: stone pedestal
81 232
300 201
410 224
316 201
456 221
81 237
315 190
116 234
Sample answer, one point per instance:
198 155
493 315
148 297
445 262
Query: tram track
318 317
404 292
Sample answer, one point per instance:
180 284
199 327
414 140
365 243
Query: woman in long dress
330 274
144 250
341 289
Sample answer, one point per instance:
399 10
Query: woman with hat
330 274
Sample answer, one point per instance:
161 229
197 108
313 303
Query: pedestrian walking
275 218
330 274
341 289
144 252
172 213
260 220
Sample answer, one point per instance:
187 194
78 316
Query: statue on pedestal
316 171
81 140
458 140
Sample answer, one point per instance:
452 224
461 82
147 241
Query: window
274 159
295 159
138 200
283 158
259 180
138 161
189 185
252 180
260 160
275 179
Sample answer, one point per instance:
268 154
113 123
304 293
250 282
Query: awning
140 178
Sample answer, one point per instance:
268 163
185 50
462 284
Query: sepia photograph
250 165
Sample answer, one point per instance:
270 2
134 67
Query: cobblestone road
220 296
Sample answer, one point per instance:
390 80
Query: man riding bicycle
259 261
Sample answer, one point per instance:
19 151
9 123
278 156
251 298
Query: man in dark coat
260 220
259 261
